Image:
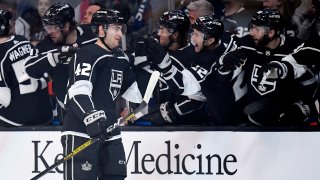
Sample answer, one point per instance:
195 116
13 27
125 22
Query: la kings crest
263 87
115 83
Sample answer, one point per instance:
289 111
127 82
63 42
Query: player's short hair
203 7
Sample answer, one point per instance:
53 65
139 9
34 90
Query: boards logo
174 161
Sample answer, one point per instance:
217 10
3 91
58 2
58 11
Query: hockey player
173 109
199 77
23 101
268 102
55 51
100 73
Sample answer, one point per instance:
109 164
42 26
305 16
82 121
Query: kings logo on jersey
115 83
262 86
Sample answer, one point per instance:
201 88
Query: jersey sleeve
37 64
81 78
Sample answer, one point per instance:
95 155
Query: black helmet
5 22
175 20
59 14
268 17
106 17
209 25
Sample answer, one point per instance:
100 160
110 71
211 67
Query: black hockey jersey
38 64
257 59
23 100
97 78
202 72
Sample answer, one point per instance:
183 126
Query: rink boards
178 154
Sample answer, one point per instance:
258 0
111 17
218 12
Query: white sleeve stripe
191 84
81 87
9 122
139 59
5 96
51 60
298 69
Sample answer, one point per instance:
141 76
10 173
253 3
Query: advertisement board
178 155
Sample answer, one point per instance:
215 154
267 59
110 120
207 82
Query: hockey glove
96 123
232 60
161 115
66 53
140 58
299 114
277 69
158 55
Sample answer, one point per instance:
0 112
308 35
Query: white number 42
83 69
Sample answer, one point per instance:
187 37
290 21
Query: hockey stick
137 113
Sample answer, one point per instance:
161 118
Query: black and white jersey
200 79
23 100
238 22
97 78
285 91
40 63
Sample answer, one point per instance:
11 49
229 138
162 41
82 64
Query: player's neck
274 43
72 37
3 39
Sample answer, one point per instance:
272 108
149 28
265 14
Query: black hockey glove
232 60
158 55
140 58
96 123
300 114
66 52
161 115
63 55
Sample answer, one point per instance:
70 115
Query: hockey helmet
175 20
59 14
6 19
269 18
106 17
209 25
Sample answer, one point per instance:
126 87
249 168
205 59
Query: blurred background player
23 101
54 53
236 18
100 73
92 8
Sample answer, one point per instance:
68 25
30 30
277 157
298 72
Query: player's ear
209 41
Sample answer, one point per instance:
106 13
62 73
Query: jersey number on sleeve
83 69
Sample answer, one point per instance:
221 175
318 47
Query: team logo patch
115 83
86 166
262 87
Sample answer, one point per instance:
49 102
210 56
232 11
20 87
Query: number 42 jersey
23 101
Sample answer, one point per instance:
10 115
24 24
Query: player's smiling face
164 35
197 40
114 34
